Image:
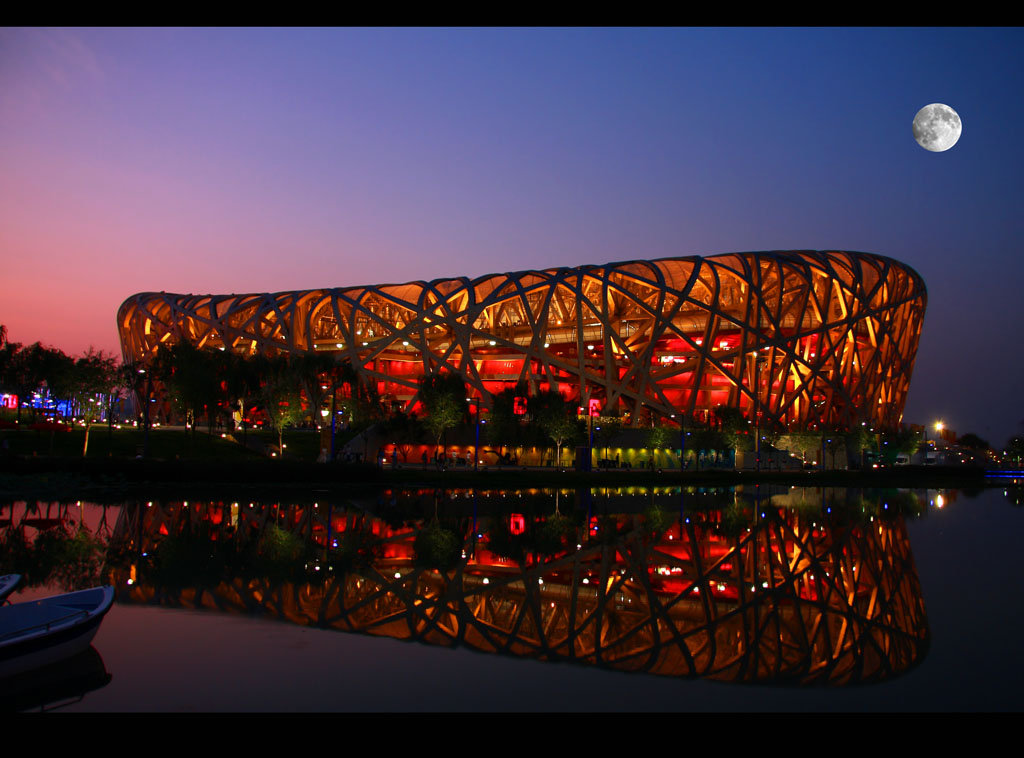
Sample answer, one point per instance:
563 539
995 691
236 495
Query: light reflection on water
173 659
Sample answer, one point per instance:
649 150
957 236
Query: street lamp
323 415
149 391
334 415
475 402
759 361
590 435
939 426
682 440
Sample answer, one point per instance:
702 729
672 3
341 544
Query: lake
941 565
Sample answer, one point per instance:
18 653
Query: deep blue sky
231 160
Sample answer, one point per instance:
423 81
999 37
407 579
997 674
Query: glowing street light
475 402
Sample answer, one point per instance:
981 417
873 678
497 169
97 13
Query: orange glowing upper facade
797 338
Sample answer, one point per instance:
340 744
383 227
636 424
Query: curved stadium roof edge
797 337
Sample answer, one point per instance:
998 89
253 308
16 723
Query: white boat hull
39 633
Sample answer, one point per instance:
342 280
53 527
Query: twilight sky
254 160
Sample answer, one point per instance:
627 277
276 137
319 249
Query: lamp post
334 415
682 440
757 412
323 415
939 426
149 391
590 437
475 402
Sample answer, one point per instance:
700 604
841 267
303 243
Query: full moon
937 127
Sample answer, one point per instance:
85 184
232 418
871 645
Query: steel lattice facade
798 338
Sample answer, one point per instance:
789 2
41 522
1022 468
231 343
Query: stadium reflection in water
804 587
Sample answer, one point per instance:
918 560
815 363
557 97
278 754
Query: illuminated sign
516 523
8 401
519 406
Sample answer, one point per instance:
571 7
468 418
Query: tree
660 437
802 443
770 433
92 377
360 403
313 371
556 418
973 442
191 379
857 440
241 383
7 352
705 438
606 429
444 398
437 547
903 440
124 381
10 370
738 431
831 441
27 369
405 430
134 380
504 427
280 395
563 431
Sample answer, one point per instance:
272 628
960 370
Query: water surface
179 659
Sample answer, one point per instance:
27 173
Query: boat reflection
800 587
55 686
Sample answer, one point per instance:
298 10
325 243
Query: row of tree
283 390
444 405
286 390
88 385
551 418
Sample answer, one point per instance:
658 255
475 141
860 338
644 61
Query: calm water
177 659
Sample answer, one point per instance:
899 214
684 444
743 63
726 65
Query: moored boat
8 583
40 632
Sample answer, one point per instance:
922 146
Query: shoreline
123 477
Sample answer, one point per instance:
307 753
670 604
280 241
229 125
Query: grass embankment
182 461
164 444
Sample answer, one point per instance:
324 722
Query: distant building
798 338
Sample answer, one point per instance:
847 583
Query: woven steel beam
805 338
